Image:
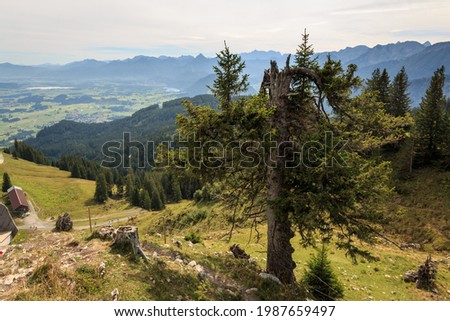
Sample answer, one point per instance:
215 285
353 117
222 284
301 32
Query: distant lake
48 88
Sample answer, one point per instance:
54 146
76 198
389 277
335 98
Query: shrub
320 280
193 237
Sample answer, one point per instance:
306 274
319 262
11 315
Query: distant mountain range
191 74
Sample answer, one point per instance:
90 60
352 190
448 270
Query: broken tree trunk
278 86
128 236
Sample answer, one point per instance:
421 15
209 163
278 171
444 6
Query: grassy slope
381 280
422 209
53 192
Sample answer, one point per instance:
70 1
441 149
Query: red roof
17 198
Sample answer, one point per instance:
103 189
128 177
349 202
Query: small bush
193 237
320 280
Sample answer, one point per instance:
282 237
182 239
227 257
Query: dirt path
32 221
2 159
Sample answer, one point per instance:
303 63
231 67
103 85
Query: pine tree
6 182
109 182
120 185
135 197
431 122
379 86
304 57
75 172
176 191
320 280
146 202
157 204
229 81
326 198
130 185
101 190
399 101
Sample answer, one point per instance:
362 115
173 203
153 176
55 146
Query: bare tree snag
128 236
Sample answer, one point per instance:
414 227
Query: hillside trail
2 159
33 222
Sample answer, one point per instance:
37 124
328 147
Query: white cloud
35 31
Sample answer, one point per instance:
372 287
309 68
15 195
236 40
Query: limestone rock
270 277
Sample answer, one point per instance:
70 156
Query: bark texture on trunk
279 248
278 86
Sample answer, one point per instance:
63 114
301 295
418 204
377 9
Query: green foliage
206 194
379 85
101 189
29 153
431 121
304 57
157 203
194 237
146 201
6 182
191 218
320 280
86 140
330 192
399 100
229 80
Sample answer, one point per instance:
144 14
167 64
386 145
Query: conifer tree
378 85
157 204
316 198
304 58
75 172
135 197
130 185
320 280
399 101
229 80
101 190
120 185
6 182
176 191
431 121
146 202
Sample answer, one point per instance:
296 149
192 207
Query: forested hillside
152 123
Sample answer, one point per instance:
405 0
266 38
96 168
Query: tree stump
128 236
426 275
64 223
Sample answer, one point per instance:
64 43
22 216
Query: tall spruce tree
319 194
176 191
130 185
399 100
157 204
378 85
304 57
431 121
6 182
230 81
101 189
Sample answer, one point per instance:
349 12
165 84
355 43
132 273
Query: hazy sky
60 31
